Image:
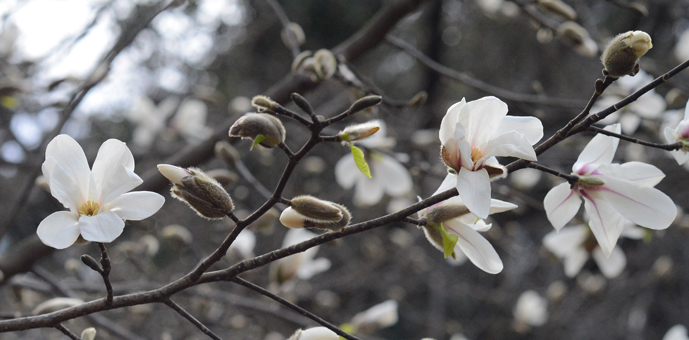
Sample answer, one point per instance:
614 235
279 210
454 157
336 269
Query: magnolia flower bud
578 37
299 61
364 103
253 124
91 263
621 56
442 213
202 193
360 131
263 103
310 212
227 153
558 7
325 64
293 30
88 334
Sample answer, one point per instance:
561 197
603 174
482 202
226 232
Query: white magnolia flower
379 316
682 47
301 265
531 309
677 332
315 333
150 119
472 135
611 193
387 174
679 134
467 226
98 199
570 245
649 106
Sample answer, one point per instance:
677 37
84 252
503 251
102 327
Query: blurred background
169 81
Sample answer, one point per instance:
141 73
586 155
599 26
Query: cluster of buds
310 212
263 128
319 66
201 192
622 54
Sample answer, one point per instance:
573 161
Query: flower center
476 154
89 208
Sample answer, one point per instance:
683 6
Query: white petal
641 173
346 172
464 154
606 224
474 188
136 205
611 266
575 261
633 232
447 125
113 170
485 115
309 269
677 332
450 181
530 127
59 230
510 144
564 242
394 177
318 333
651 105
498 206
600 150
479 251
561 204
290 218
630 122
69 155
103 227
368 191
294 236
645 206
63 186
680 156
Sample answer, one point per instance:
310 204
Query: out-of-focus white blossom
682 46
531 309
679 134
677 332
315 333
301 265
190 121
150 119
379 316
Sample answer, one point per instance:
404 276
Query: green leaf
449 241
360 161
258 140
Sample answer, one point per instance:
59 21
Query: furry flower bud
442 213
251 125
263 103
360 131
201 192
88 334
558 7
308 211
622 54
325 64
578 37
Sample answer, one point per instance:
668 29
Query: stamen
476 154
89 208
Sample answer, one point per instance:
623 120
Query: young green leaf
258 140
449 241
360 161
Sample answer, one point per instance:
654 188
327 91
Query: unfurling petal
69 155
600 150
485 116
450 181
510 144
136 205
474 188
611 266
479 251
447 125
561 204
113 170
530 127
606 224
645 206
59 230
104 227
641 173
63 186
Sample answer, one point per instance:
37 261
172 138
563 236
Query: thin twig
668 147
294 307
293 42
572 179
281 110
105 273
60 327
177 308
246 173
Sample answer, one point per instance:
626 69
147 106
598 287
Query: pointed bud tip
173 173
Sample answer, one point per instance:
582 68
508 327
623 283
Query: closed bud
316 209
591 181
558 7
325 64
263 103
360 131
622 54
303 104
441 213
227 153
201 192
293 34
91 262
88 334
364 103
321 215
251 125
578 37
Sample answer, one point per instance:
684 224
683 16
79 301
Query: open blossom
649 106
456 218
574 247
387 174
472 135
611 193
98 199
679 134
